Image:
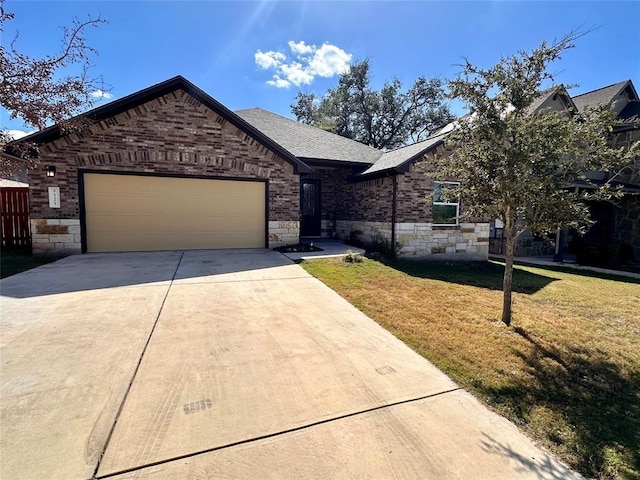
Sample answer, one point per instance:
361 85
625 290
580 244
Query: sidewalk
550 263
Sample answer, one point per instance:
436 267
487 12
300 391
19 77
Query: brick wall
369 201
173 134
332 182
414 190
365 211
345 201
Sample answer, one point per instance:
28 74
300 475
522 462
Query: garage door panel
167 241
163 224
122 206
131 212
120 202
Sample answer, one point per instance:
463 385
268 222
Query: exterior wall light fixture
51 170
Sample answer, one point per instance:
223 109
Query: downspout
394 201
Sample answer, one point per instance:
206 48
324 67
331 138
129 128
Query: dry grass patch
567 371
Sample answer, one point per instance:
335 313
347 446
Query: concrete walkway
548 262
330 248
227 364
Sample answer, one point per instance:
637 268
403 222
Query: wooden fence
15 233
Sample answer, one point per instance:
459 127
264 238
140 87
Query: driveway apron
72 333
230 364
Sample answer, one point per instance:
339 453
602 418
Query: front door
310 224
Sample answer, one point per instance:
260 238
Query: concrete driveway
226 364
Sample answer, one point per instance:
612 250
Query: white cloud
279 82
297 74
330 60
300 47
269 59
101 94
307 63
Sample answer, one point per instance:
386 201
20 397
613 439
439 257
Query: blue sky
224 47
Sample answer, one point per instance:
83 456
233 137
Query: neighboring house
614 238
554 99
169 167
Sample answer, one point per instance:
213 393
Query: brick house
169 167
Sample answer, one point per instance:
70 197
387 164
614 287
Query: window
445 212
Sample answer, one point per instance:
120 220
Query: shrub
384 246
352 257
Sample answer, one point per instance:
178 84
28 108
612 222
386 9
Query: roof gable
176 83
399 160
541 99
555 99
631 111
604 96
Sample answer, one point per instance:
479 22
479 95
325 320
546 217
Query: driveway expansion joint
275 434
135 372
247 280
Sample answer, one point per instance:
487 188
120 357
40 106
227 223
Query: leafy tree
519 164
42 91
383 119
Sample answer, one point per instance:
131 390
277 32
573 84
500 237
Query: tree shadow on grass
583 272
478 274
596 406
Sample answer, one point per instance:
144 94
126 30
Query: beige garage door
133 212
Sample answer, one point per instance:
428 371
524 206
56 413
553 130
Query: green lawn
567 371
15 262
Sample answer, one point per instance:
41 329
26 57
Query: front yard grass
567 371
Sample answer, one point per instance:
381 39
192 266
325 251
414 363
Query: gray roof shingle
601 96
307 142
401 156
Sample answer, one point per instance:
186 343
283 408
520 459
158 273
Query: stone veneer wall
470 240
49 235
363 231
173 134
283 233
467 240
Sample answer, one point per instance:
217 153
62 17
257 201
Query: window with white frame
446 205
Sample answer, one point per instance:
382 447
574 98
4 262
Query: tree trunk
507 281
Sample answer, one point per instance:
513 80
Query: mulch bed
300 247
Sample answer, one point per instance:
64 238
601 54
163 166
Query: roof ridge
307 141
601 88
306 125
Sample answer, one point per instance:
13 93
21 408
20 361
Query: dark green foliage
385 118
519 163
